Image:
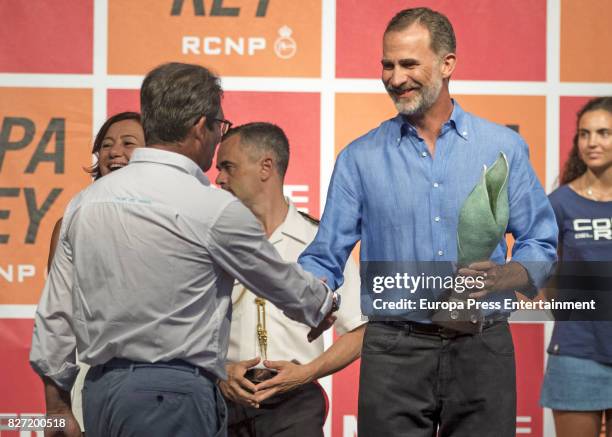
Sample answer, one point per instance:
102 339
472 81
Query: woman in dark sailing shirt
578 380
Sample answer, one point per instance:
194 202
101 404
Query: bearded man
399 190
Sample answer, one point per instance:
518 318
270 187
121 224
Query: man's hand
327 323
504 277
237 388
70 429
58 406
290 376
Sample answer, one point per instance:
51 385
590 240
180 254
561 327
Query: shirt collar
294 226
458 121
176 160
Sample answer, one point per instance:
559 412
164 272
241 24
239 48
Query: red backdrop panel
298 114
41 36
569 107
496 39
529 352
21 388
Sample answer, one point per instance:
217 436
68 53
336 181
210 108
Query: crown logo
285 31
285 46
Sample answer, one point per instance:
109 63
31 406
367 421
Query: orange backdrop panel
528 113
586 41
283 40
357 114
48 118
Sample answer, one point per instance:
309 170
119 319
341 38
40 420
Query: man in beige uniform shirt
272 370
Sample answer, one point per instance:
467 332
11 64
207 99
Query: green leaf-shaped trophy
482 226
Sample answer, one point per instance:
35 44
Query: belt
180 365
437 330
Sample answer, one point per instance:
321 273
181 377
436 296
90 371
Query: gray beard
421 104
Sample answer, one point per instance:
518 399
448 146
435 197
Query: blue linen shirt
403 204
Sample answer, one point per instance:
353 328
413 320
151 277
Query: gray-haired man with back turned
141 280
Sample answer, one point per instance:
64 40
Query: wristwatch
335 301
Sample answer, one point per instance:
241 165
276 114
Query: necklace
587 188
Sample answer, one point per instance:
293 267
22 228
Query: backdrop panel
529 343
313 67
248 38
297 113
41 36
585 41
356 114
45 137
489 47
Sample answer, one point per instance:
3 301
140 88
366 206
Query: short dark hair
440 28
263 136
575 166
94 170
173 97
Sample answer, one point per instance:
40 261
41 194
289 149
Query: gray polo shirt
144 269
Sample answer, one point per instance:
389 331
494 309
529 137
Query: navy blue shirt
585 234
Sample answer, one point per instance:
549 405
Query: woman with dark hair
115 142
113 147
578 381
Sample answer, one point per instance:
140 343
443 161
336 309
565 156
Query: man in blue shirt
399 189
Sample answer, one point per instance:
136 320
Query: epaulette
310 218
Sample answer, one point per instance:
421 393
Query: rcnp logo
217 45
285 47
244 38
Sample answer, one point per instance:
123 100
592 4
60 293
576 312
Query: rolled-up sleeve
532 222
53 352
349 315
238 244
340 226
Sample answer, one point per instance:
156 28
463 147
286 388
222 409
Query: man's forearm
56 399
342 353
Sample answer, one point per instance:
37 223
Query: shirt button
440 252
424 154
436 185
556 348
437 219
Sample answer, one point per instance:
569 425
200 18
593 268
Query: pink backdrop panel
496 39
41 36
298 114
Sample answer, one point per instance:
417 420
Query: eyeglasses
225 125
